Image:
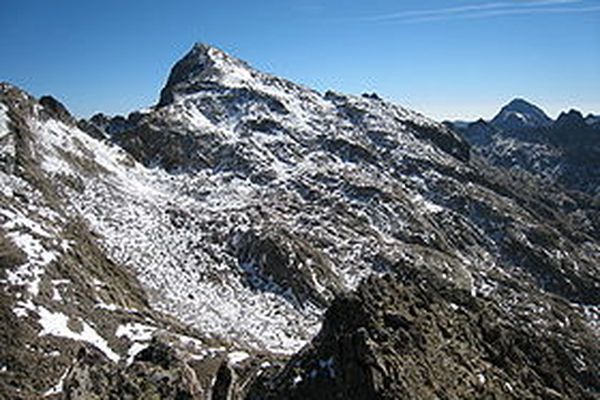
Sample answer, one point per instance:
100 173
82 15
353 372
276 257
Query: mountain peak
203 47
519 103
570 120
203 51
520 114
204 65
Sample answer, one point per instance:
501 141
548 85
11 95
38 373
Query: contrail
502 12
481 10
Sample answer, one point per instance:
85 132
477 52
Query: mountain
564 152
518 115
248 237
458 124
593 121
479 133
572 120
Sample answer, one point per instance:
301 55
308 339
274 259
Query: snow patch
136 332
23 308
297 380
139 334
58 388
481 378
134 350
33 239
427 205
55 324
38 257
236 357
3 121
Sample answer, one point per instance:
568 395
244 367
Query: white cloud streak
485 10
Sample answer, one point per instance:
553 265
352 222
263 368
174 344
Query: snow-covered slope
244 204
62 298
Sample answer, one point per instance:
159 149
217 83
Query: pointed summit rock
204 66
520 114
57 110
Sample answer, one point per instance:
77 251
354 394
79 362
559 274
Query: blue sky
448 59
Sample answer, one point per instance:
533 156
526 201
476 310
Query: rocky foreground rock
412 336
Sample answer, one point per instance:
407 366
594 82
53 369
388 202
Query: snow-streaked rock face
245 203
331 188
265 158
63 300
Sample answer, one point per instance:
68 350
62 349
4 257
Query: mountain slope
65 302
242 205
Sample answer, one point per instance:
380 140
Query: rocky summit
520 114
251 238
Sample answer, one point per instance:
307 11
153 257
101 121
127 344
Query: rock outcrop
414 336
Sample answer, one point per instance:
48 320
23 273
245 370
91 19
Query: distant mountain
520 114
252 238
479 133
593 120
459 124
522 138
571 120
